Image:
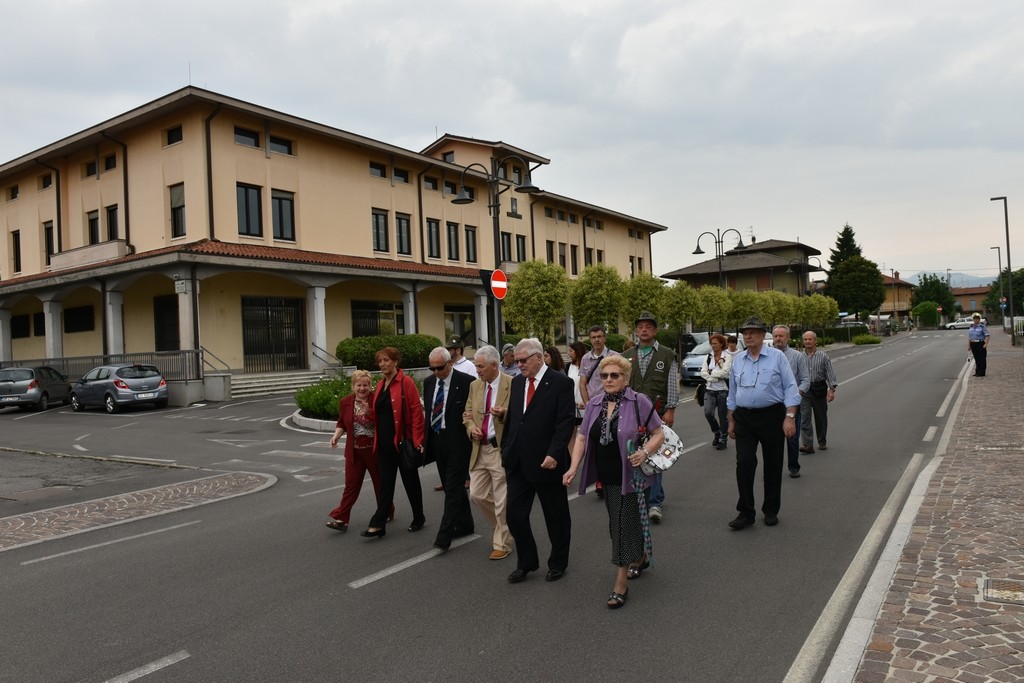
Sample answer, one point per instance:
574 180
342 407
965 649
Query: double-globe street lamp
803 270
1009 268
496 185
719 235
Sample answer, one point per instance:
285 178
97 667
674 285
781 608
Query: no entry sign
499 284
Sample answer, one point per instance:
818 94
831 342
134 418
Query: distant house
971 299
772 265
897 296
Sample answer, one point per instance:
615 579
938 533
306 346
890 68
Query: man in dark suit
445 394
535 453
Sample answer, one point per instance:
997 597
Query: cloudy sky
783 119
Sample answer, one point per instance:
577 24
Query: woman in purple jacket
606 445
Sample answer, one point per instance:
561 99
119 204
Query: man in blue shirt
763 400
977 342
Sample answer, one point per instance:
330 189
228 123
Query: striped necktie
438 410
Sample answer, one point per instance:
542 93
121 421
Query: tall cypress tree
846 247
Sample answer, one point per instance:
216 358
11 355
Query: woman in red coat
399 415
355 418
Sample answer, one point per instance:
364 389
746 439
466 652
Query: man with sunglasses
763 400
535 453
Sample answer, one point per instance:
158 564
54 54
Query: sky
784 119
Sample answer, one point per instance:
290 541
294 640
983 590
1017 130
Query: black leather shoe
741 522
519 575
771 520
442 546
795 474
370 533
822 446
554 574
416 526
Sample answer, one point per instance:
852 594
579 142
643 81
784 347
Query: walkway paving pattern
935 624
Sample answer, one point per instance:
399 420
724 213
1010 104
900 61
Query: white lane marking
28 415
245 443
83 436
952 391
135 458
102 545
152 667
80 448
259 466
877 367
930 434
313 493
394 569
319 444
305 454
123 426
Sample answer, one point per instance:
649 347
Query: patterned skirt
624 526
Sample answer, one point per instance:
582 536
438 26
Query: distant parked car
35 387
116 386
963 323
694 361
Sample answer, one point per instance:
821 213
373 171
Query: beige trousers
488 491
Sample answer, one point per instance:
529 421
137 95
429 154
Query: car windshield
701 349
15 375
138 372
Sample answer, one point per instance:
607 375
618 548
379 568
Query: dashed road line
152 667
103 545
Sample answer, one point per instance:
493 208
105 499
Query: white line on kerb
100 545
162 663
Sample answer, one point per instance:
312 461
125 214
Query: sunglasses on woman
611 375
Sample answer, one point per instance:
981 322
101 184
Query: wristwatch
791 416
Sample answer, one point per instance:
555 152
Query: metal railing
173 365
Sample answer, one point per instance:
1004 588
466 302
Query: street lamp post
719 235
494 189
806 267
895 295
1006 221
999 260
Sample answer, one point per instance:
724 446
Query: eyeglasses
526 358
611 375
437 368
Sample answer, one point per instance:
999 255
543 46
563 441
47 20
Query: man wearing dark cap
656 376
459 360
763 400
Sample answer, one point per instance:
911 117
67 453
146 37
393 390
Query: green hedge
320 401
359 351
866 339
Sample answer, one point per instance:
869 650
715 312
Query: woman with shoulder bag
715 372
606 447
399 417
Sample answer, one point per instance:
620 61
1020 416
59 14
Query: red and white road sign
499 284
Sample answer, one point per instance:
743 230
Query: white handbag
667 453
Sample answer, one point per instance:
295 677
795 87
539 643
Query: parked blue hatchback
116 386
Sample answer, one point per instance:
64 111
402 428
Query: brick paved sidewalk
937 623
44 525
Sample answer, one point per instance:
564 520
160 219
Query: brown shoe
500 554
822 446
806 449
439 487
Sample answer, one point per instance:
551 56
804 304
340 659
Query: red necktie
487 412
529 392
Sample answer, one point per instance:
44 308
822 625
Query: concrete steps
271 383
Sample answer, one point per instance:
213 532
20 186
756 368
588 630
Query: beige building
199 221
772 265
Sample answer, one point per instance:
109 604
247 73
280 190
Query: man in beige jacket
485 422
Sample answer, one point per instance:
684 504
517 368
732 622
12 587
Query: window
403 234
630 232
379 220
177 193
449 157
574 259
110 162
112 222
506 246
45 181
431 183
453 241
639 264
517 174
20 326
39 324
600 256
165 323
572 218
378 170
587 222
560 215
561 254
282 206
79 319
92 220
250 210
173 135
632 267
48 240
90 169
551 251
588 257
513 208
639 235
371 318
450 188
520 248
280 145
16 251
12 192
600 225
433 238
470 244
458 322
401 175
249 138
549 212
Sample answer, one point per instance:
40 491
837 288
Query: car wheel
76 405
44 403
109 404
161 404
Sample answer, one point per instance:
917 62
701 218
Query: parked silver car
116 386
35 387
694 361
963 323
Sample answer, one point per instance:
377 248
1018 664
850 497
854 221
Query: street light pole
999 260
719 236
1009 268
895 295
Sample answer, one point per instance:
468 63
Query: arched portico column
316 317
409 306
6 352
114 317
54 328
483 330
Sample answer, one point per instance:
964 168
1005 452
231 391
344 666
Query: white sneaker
655 515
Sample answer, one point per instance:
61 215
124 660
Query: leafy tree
856 284
926 313
817 310
936 289
714 308
745 303
643 293
846 248
681 304
538 296
992 300
596 297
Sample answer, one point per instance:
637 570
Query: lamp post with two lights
719 237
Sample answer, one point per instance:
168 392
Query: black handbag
409 457
699 394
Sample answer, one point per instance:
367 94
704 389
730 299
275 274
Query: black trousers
554 501
980 358
452 456
759 426
387 461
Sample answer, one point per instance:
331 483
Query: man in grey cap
763 400
656 376
459 360
508 363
